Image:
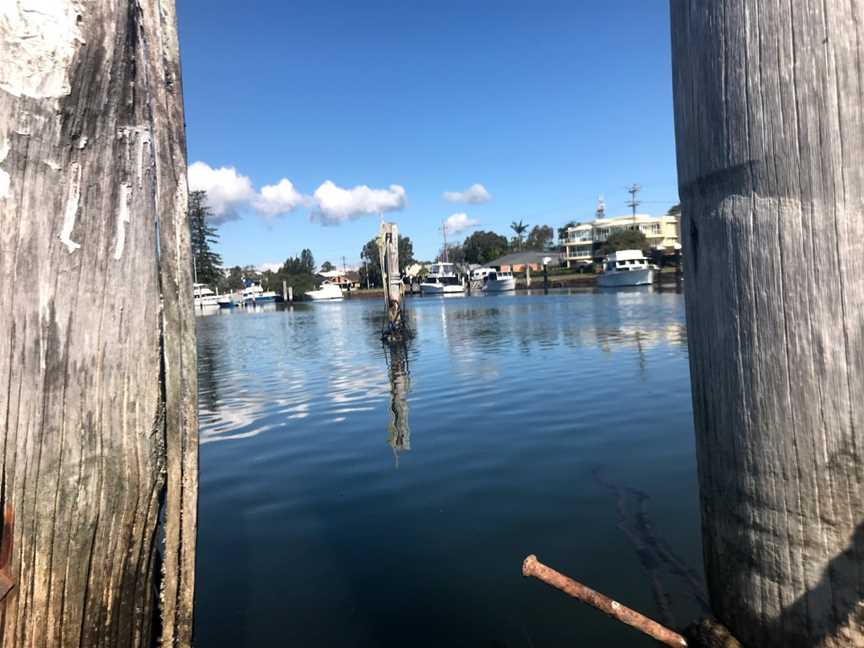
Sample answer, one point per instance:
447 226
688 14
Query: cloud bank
458 223
228 192
473 195
335 205
280 198
226 189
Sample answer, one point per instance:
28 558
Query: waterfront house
518 261
661 232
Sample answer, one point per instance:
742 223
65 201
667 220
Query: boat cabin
625 261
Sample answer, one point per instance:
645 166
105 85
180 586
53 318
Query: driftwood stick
533 567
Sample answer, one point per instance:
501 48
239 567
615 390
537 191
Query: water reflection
398 431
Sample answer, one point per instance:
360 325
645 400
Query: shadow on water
655 553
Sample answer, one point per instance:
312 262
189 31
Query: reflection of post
400 383
388 251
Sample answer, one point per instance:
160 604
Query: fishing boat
626 268
497 281
327 291
442 280
255 294
204 297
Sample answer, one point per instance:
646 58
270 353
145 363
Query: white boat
328 291
204 297
441 280
255 294
497 281
626 268
225 301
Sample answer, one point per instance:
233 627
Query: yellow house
661 232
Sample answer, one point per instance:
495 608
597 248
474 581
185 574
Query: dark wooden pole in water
391 279
97 380
770 131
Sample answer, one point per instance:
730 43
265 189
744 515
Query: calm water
353 497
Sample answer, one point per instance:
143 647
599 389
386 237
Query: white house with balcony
661 232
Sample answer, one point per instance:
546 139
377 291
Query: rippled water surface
351 496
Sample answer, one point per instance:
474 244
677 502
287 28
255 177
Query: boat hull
631 278
327 292
441 289
500 285
317 297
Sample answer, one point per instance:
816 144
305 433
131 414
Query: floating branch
533 567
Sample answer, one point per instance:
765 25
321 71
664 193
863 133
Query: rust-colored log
533 567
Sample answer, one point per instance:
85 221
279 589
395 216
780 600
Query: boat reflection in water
398 431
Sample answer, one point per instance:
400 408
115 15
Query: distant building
518 261
663 234
344 279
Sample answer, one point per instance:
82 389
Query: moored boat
203 296
441 280
626 268
497 281
327 291
255 294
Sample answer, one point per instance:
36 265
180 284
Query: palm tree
519 228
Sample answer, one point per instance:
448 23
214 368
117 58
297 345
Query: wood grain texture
97 381
770 136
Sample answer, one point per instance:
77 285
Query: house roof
528 256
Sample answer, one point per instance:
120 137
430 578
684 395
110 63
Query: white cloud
474 195
272 266
458 223
226 189
336 205
277 199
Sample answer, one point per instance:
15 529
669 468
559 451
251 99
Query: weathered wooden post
388 251
98 402
770 132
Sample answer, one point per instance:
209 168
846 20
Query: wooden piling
98 395
388 252
770 133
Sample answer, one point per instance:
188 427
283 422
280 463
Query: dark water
353 497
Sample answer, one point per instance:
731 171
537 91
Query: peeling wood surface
97 381
770 135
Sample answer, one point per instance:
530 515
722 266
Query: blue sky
545 104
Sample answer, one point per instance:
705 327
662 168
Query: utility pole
633 203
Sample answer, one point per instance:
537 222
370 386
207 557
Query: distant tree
326 266
370 273
483 246
674 210
562 231
519 229
369 254
406 252
452 252
234 280
623 240
208 264
540 237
